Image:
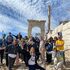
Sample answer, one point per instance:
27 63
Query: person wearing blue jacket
49 48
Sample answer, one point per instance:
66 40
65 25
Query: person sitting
31 62
2 49
30 59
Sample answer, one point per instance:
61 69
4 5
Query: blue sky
15 13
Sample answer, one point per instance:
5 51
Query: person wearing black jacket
31 59
9 41
12 51
2 48
19 36
33 43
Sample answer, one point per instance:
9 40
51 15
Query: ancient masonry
65 29
36 23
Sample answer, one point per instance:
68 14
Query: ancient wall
65 29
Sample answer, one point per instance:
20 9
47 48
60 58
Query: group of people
29 50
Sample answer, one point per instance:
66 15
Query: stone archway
34 23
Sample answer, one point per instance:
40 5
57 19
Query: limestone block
65 32
60 28
65 26
69 25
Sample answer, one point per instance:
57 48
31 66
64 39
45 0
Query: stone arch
36 23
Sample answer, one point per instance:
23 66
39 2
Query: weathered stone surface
36 23
65 29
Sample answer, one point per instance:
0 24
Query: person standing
12 50
2 47
19 38
49 48
42 50
24 48
60 45
9 38
9 41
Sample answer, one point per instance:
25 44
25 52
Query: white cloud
8 24
37 11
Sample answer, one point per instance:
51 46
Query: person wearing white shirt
31 62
